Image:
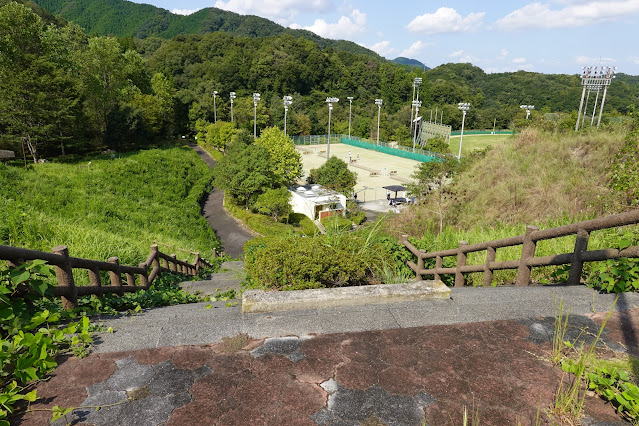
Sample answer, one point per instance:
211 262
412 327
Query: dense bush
30 336
333 260
337 223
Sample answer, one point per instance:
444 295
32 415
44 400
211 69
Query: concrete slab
273 301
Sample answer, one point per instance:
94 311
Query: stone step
230 277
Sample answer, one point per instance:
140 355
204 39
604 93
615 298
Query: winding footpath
230 233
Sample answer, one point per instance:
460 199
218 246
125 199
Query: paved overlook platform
417 362
196 324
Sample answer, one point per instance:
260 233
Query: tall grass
535 177
112 207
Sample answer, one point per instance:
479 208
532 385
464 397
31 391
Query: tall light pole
463 107
378 102
416 105
214 106
232 96
256 99
330 102
527 108
287 101
350 111
593 78
416 82
610 74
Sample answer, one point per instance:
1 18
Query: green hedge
333 260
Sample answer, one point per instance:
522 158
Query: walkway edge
255 301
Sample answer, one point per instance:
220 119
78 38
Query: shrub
336 260
337 223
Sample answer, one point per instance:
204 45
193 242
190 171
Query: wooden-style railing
64 265
527 260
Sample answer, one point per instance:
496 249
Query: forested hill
126 19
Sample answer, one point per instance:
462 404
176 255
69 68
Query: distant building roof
313 192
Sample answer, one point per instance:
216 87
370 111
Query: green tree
287 161
334 174
37 96
433 181
274 202
245 172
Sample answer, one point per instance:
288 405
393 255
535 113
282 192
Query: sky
548 36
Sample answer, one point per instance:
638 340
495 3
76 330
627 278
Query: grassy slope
114 208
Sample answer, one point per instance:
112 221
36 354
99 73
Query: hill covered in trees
123 18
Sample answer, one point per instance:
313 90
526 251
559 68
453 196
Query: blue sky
547 36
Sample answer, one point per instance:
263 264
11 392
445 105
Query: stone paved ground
394 377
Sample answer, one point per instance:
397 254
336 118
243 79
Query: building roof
314 192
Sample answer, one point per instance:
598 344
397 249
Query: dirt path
226 228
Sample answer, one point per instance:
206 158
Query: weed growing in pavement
570 397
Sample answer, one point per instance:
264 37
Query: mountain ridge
123 18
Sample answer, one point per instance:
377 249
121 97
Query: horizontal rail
137 277
528 260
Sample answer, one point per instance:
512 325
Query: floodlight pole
378 102
527 108
350 111
256 98
416 105
594 108
330 102
214 106
287 101
416 82
232 96
463 107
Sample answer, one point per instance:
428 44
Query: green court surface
476 142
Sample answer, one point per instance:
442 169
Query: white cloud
280 10
591 60
634 60
569 14
184 11
462 57
382 48
344 28
519 61
503 53
415 49
445 20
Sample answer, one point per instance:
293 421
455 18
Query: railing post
461 261
116 277
156 259
577 265
173 263
420 265
491 255
214 253
196 263
438 264
527 252
95 280
64 274
186 267
130 279
144 276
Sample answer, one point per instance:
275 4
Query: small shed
316 202
6 155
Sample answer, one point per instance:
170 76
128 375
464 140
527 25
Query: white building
316 202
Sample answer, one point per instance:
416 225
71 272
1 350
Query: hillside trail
231 234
